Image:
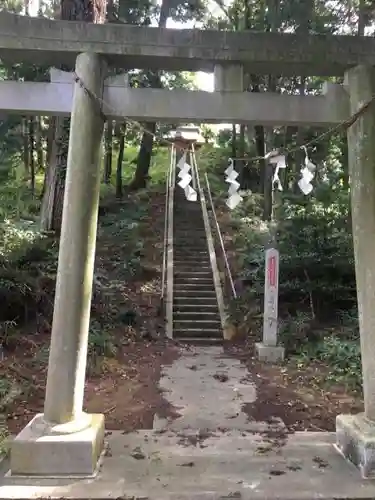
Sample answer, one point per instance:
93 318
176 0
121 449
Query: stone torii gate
64 440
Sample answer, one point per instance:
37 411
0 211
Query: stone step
191 238
185 227
180 256
185 213
183 291
190 247
194 274
205 297
193 283
188 230
188 307
188 258
188 206
191 309
189 235
191 257
205 283
190 223
195 299
214 465
191 241
193 223
193 315
183 267
201 284
197 333
186 252
201 324
201 341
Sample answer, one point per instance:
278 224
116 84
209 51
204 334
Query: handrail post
169 247
167 184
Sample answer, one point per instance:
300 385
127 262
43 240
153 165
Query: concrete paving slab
208 390
218 466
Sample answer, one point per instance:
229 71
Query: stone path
209 390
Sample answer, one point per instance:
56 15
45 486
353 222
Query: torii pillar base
62 450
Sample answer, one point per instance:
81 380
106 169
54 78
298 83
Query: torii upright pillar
64 440
355 434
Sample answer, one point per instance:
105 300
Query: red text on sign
272 271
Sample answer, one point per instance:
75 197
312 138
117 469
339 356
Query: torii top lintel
50 42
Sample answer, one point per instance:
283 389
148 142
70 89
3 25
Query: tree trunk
260 146
93 11
50 136
273 24
303 29
361 18
241 153
39 142
108 152
32 149
120 134
111 18
141 175
233 142
299 140
26 147
260 143
52 204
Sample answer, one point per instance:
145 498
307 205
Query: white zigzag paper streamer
185 181
181 161
307 173
185 170
190 193
186 178
231 175
279 161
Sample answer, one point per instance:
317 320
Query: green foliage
212 161
101 342
124 226
317 279
25 290
158 168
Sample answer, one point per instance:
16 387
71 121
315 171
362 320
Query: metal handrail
210 246
220 238
168 187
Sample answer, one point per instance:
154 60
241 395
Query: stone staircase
195 310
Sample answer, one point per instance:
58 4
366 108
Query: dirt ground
127 391
298 396
125 387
